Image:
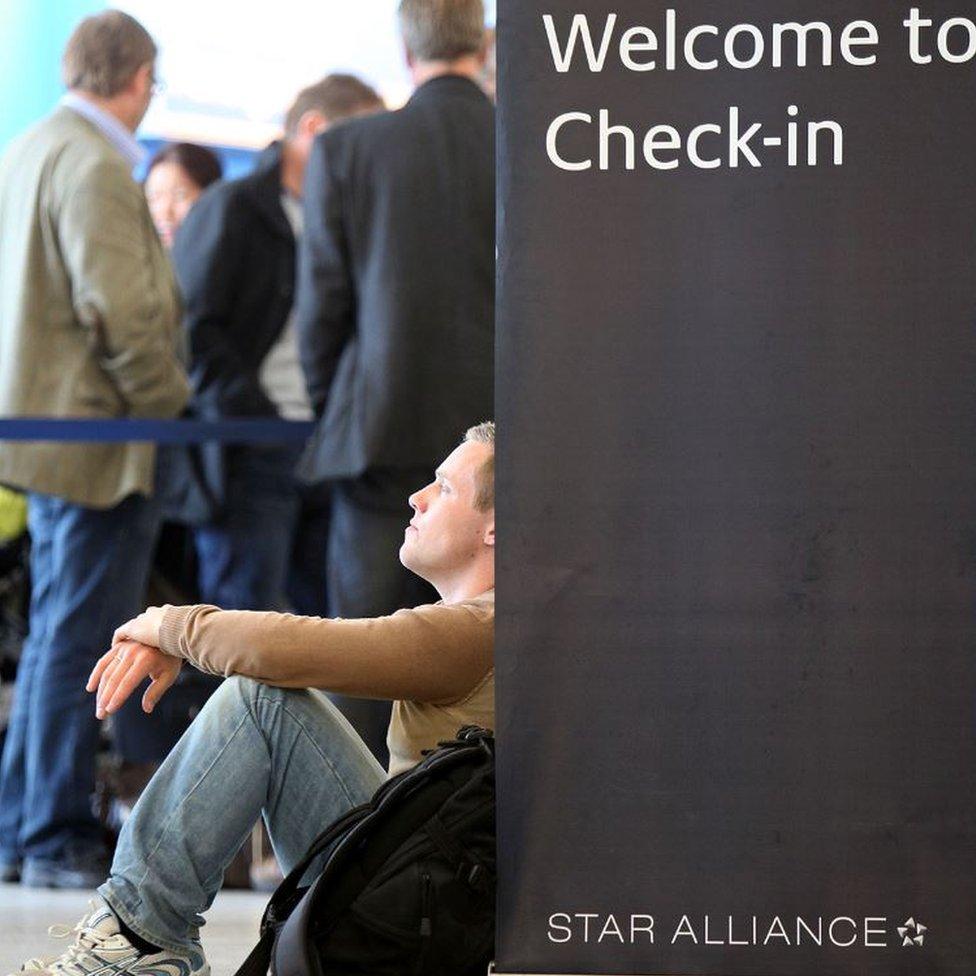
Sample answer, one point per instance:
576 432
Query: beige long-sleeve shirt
435 662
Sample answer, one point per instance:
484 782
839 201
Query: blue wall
32 36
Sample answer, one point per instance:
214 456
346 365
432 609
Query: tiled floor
25 914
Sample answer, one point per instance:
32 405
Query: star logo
912 933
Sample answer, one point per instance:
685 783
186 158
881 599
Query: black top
234 257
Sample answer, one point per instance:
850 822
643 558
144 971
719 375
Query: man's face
312 124
309 126
132 102
447 533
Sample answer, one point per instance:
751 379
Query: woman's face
170 193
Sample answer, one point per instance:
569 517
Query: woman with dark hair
175 178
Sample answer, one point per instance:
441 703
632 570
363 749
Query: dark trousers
366 578
89 569
267 549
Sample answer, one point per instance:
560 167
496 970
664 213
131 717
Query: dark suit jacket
235 263
396 282
234 257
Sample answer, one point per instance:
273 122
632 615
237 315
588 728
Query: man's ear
489 536
311 124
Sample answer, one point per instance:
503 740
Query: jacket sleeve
433 653
106 239
208 256
326 298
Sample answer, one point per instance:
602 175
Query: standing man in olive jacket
89 322
235 262
396 304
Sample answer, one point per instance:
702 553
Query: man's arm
325 309
104 236
208 258
434 653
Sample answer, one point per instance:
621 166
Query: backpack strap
259 959
470 869
283 900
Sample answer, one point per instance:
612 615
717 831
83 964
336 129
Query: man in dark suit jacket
235 262
395 304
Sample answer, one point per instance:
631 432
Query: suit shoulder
67 140
390 127
223 202
349 134
238 197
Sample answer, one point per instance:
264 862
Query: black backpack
408 882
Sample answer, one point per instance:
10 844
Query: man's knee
233 694
251 693
238 695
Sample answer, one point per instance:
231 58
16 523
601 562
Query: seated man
267 745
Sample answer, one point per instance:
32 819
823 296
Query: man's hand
122 669
143 629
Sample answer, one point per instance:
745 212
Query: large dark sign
737 389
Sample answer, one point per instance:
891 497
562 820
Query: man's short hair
104 52
484 479
442 30
336 97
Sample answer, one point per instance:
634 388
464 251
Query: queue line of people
349 279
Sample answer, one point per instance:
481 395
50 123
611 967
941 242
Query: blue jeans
88 574
252 750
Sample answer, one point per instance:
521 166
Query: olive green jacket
89 313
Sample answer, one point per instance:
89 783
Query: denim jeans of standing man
253 750
88 572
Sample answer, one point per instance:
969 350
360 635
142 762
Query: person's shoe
84 869
100 948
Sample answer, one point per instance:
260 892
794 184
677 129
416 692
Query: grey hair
442 30
104 52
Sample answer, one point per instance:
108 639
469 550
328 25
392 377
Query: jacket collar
109 126
265 189
450 86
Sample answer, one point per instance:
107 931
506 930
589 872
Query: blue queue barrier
231 431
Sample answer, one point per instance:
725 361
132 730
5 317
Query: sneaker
85 869
99 947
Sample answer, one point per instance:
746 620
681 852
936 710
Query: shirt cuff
171 630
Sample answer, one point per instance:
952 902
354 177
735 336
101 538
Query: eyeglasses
157 86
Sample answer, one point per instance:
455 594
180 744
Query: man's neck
424 71
292 170
111 106
472 584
